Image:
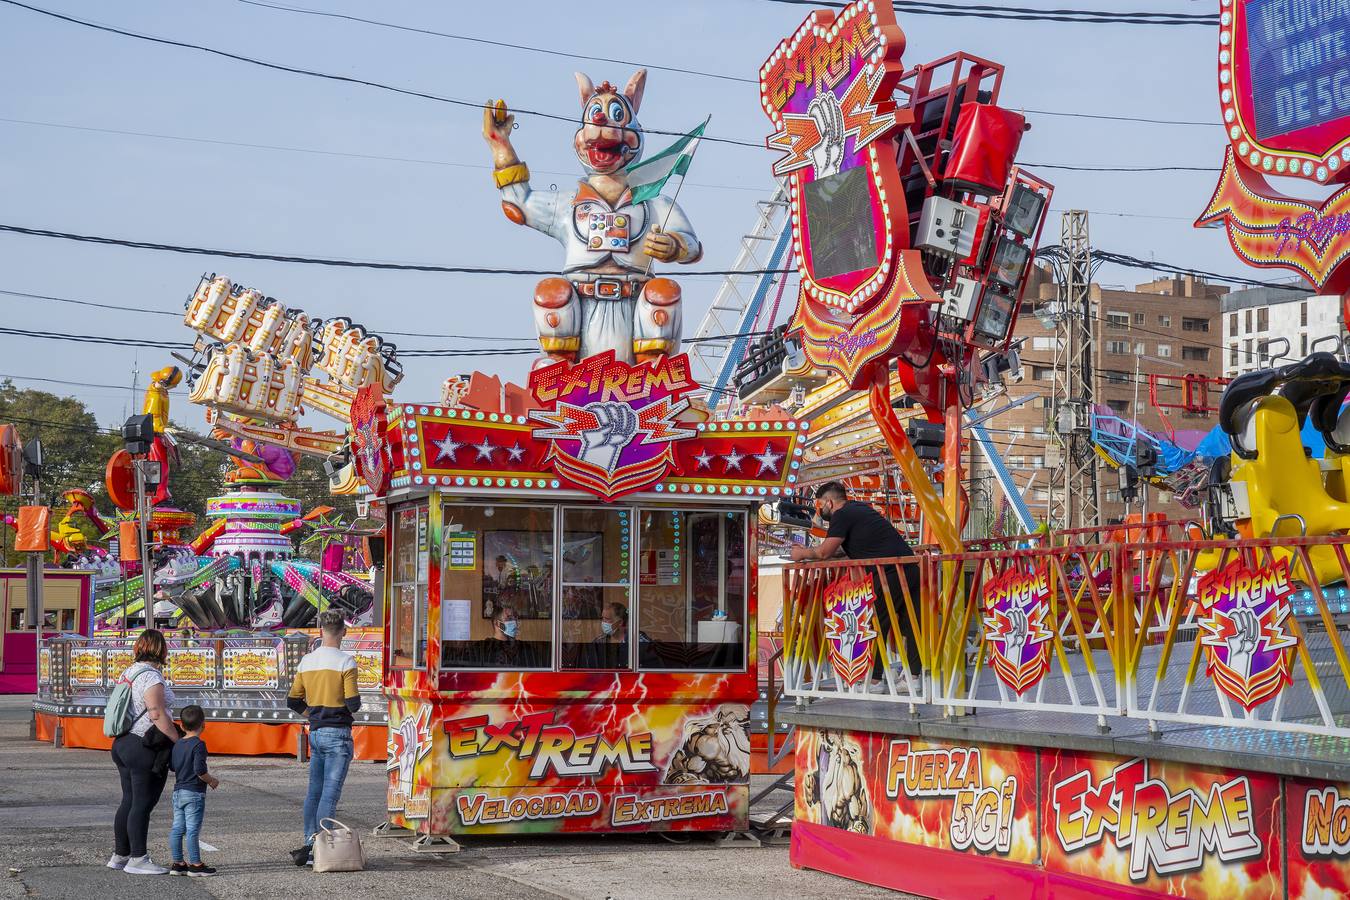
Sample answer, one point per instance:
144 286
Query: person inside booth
610 649
502 649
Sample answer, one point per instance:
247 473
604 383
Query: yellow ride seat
1282 484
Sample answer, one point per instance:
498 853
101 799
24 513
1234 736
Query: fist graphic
828 155
616 426
1242 643
1018 627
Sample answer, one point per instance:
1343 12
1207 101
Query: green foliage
75 450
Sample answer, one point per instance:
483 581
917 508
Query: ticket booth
559 661
67 607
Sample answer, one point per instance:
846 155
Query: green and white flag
648 177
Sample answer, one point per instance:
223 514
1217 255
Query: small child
188 761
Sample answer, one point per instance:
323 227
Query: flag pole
676 195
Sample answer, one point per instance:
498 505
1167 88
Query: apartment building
1169 327
1266 326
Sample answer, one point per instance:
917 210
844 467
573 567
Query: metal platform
1237 747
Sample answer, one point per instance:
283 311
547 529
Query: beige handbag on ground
338 849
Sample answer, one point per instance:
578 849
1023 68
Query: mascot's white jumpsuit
587 312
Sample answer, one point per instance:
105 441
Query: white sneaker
118 862
143 865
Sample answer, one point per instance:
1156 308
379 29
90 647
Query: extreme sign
827 89
611 425
1017 610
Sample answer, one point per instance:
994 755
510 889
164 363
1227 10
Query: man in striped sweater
325 688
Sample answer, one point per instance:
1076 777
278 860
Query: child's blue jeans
188 807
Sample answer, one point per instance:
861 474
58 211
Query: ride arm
208 537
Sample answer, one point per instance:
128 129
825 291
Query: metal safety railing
840 631
75 670
1252 633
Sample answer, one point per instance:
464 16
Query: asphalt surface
56 809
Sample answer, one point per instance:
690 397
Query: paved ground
56 809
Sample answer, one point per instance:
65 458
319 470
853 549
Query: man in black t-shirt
859 532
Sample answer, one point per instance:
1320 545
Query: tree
75 450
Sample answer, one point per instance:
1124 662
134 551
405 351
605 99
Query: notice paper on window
455 620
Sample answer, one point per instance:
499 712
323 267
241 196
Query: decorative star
733 460
447 448
768 460
485 449
516 452
704 459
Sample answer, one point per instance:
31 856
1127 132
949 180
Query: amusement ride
569 598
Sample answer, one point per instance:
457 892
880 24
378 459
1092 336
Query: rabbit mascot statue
607 297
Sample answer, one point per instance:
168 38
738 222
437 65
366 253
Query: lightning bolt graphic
799 136
863 121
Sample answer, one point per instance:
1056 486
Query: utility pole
1078 504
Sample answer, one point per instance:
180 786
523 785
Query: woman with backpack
146 728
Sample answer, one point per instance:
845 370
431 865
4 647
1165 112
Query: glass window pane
692 590
595 627
595 546
410 567
596 566
497 587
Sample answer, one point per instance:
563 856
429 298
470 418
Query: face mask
607 627
510 627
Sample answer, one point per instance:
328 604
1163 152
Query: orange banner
33 529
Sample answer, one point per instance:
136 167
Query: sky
436 202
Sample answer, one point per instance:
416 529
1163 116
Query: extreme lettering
600 378
633 810
818 62
553 748
1247 587
1165 832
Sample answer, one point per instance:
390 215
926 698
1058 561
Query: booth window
411 558
691 590
59 602
497 585
596 584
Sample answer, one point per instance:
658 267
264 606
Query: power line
118 307
87 384
1027 14
95 339
1140 119
322 152
322 261
406 352
1120 259
329 76
477 40
1067 168
297 70
487 168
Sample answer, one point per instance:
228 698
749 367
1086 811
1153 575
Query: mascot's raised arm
607 298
